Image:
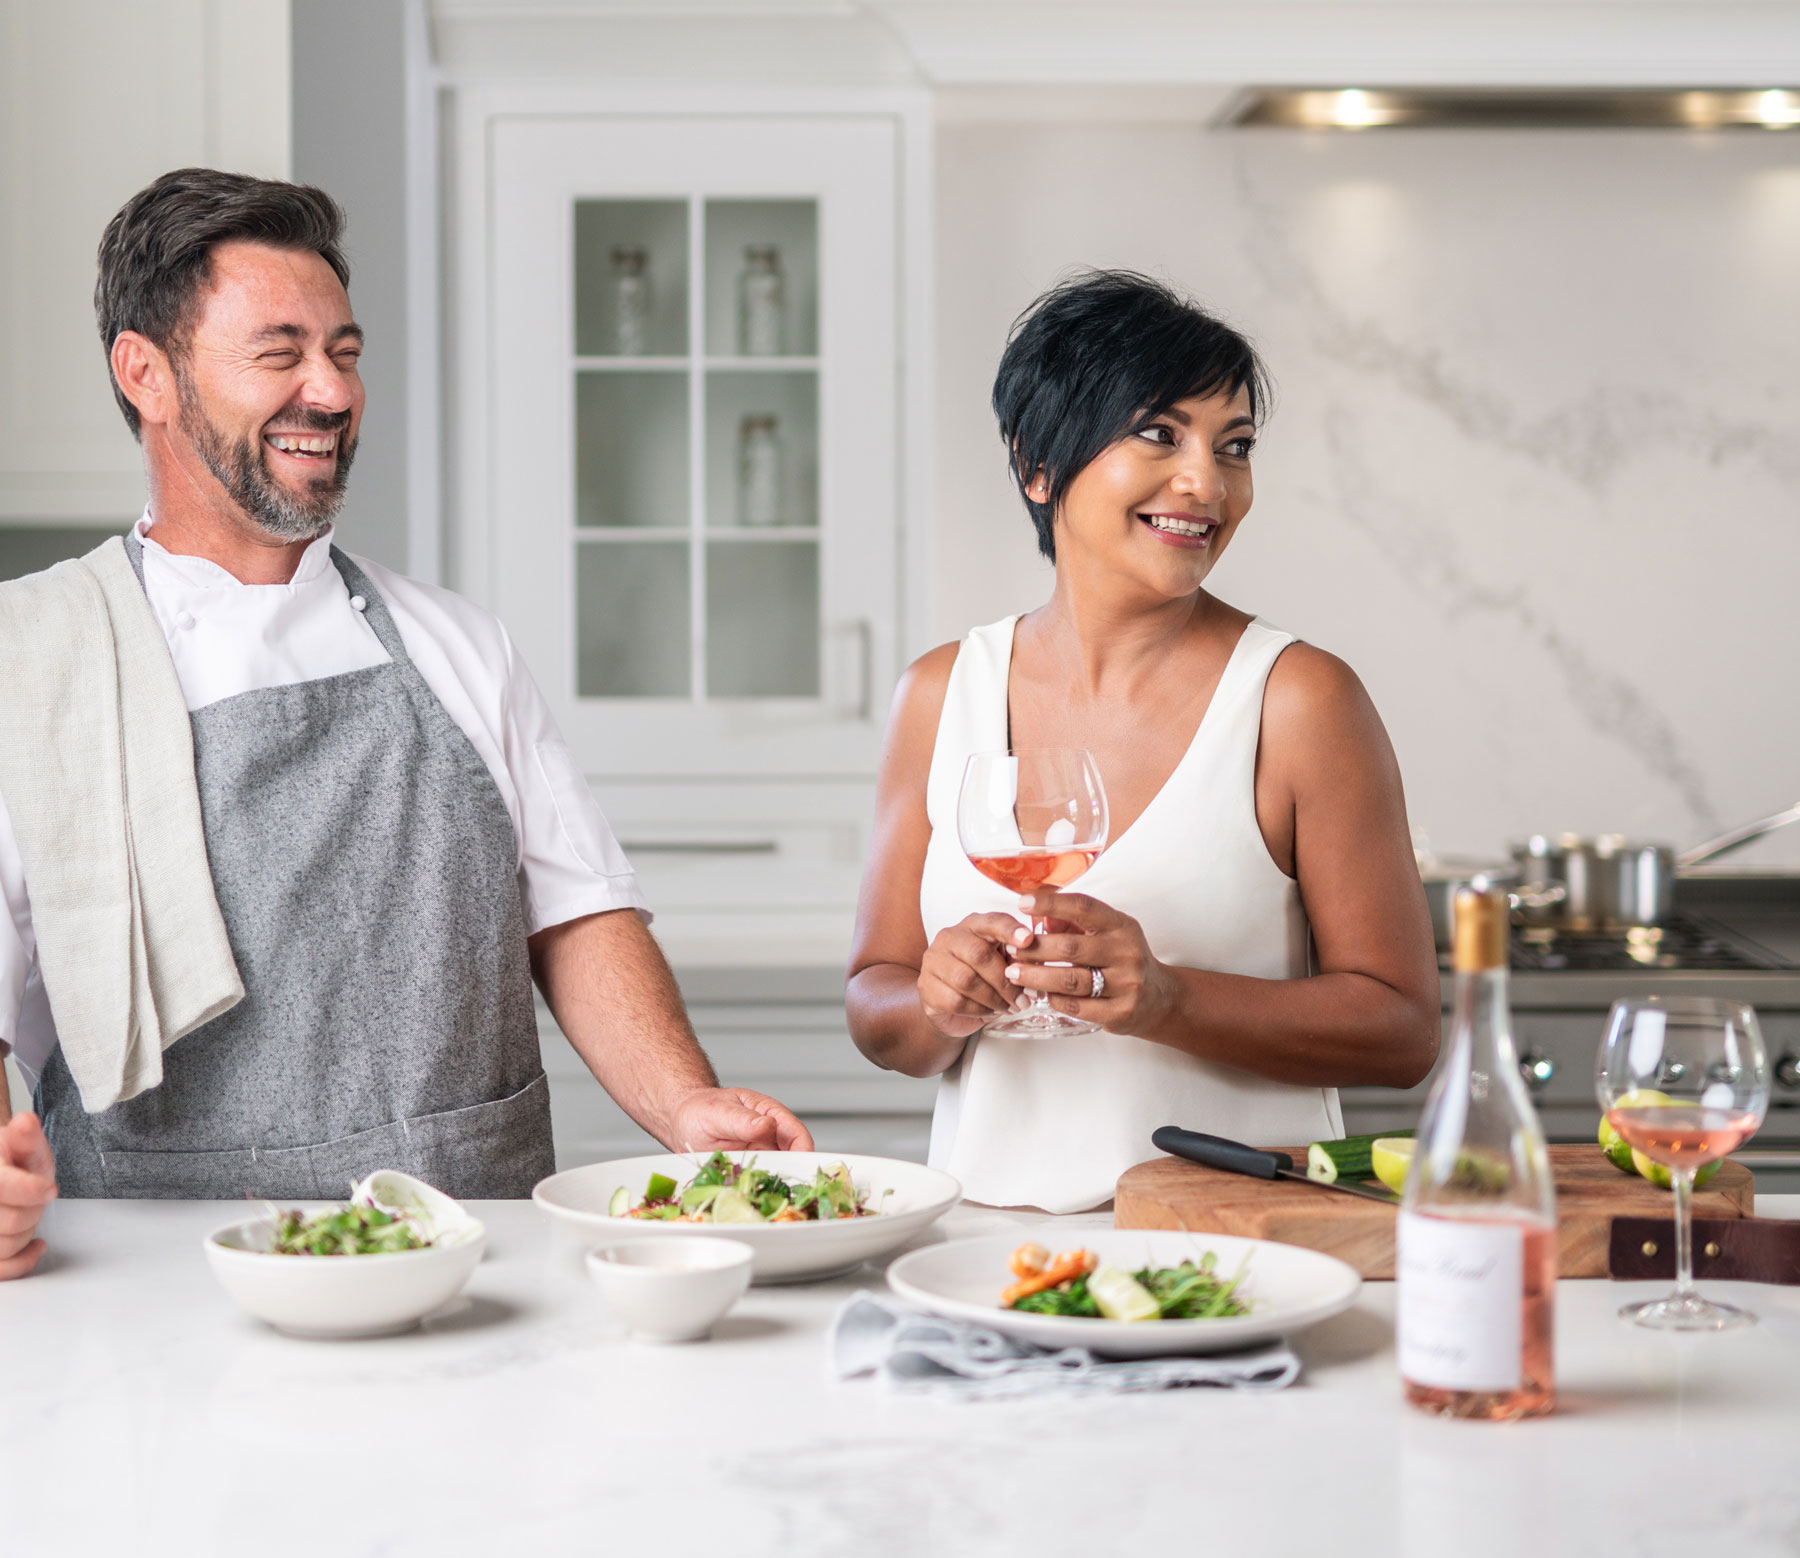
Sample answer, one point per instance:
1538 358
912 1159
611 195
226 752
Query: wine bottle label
1461 1302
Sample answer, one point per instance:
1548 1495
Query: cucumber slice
731 1205
620 1203
697 1198
1349 1157
1120 1296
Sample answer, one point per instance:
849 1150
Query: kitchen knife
1235 1157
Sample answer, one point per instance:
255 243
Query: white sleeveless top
1052 1123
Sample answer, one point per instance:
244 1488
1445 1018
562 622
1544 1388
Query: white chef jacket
227 637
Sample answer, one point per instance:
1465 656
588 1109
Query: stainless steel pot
1640 884
1610 882
1607 882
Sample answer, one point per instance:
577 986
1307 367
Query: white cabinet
687 341
695 433
84 132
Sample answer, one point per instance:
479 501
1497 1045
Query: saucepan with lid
1445 875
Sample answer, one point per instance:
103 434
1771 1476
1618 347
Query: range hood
1600 108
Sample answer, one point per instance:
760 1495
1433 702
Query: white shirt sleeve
570 864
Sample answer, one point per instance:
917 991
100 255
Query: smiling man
370 837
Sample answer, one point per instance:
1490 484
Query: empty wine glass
1026 820
1684 1080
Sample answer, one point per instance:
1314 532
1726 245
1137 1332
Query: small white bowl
671 1290
341 1295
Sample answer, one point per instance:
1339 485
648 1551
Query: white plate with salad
806 1214
1138 1293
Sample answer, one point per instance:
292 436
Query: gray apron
366 867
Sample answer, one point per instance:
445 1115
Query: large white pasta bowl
908 1198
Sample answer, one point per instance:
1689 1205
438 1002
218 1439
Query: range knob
1787 1070
1537 1069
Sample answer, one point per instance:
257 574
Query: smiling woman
1255 935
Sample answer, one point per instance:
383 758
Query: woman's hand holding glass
1031 820
1136 991
962 980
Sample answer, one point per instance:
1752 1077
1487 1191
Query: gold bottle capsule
1483 928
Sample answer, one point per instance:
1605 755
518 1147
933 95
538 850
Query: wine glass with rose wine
1684 1080
1026 820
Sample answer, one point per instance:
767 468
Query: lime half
1391 1157
1656 1173
1616 1148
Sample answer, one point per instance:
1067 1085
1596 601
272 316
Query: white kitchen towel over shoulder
97 767
904 1346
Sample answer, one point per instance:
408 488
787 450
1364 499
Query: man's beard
242 468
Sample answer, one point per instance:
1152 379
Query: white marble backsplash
1534 465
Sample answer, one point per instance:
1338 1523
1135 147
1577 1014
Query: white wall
1534 467
352 128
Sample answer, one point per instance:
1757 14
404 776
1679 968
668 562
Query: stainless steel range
1736 936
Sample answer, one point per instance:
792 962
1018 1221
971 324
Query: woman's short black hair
156 253
1096 356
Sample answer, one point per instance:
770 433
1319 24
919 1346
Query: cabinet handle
699 846
853 670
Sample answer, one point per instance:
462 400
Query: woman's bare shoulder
919 704
1316 711
923 683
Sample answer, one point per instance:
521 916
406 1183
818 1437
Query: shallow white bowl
1291 1288
340 1295
785 1252
671 1290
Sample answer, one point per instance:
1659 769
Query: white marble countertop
142 1413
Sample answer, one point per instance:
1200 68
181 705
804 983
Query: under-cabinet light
1597 108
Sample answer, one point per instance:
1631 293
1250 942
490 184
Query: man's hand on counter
612 993
734 1118
27 1186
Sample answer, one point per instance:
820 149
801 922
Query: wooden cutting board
1173 1193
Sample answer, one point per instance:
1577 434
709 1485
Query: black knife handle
1217 1152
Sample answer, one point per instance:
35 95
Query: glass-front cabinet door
694 407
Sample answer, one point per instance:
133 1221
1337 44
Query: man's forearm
612 993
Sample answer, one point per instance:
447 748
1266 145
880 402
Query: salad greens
344 1230
1076 1284
722 1191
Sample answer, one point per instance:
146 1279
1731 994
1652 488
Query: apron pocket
488 1151
483 1152
211 1176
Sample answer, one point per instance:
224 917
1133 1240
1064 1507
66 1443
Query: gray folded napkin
908 1348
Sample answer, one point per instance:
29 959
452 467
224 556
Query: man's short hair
1100 354
156 253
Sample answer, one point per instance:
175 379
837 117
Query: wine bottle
1476 1238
